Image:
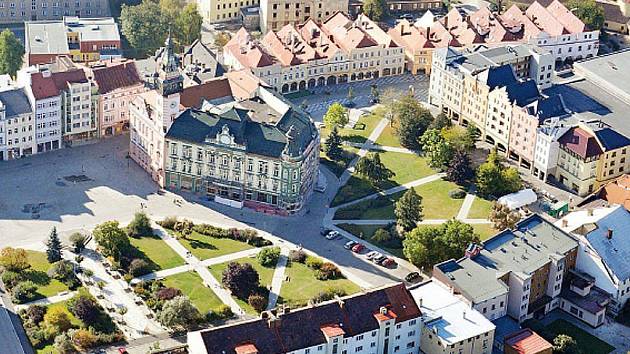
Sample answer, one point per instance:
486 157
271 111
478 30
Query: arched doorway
302 85
331 80
353 77
376 75
312 83
343 78
285 88
360 76
321 81
294 86
386 72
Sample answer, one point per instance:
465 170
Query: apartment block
17 125
80 39
336 51
382 320
215 11
275 14
38 10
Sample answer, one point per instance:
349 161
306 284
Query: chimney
589 212
419 302
609 234
565 222
383 310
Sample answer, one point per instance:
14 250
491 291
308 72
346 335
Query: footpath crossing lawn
204 247
265 274
46 286
191 285
359 133
480 209
302 285
156 252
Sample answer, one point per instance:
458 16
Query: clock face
225 139
173 105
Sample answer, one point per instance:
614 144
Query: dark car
324 231
413 277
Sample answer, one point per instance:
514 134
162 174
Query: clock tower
169 83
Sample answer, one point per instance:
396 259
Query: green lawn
586 342
407 168
388 138
480 209
338 167
204 247
302 285
394 247
360 132
46 286
485 231
192 286
265 274
435 202
156 252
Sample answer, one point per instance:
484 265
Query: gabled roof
43 87
571 23
193 96
547 107
527 341
63 78
615 251
110 78
581 142
610 139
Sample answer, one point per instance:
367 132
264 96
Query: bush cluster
186 227
457 194
328 271
328 294
298 256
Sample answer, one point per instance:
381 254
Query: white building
547 148
604 244
383 320
449 325
17 123
46 103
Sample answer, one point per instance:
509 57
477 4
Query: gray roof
526 248
46 37
15 102
478 282
614 252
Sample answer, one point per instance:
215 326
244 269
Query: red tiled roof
527 341
617 192
194 96
580 142
112 77
62 78
246 349
385 316
332 330
43 87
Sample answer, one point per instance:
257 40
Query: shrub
224 311
37 336
56 321
297 256
167 293
63 271
328 294
85 309
24 292
268 257
257 301
64 345
178 312
313 262
381 235
328 271
457 194
14 259
139 267
11 278
84 339
35 314
241 279
185 227
77 240
168 222
139 226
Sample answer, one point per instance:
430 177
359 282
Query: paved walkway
465 209
278 278
383 148
423 222
49 300
363 151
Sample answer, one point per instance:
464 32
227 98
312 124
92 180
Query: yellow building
590 156
222 10
274 14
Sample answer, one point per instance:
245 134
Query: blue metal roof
615 251
611 139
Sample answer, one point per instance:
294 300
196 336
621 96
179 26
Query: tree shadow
201 244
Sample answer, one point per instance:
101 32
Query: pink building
118 84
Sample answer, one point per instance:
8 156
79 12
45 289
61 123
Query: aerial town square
315 177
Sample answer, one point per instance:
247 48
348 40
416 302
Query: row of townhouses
230 138
554 29
498 90
336 50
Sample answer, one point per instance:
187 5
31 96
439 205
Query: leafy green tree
56 320
14 259
408 210
112 240
458 170
410 121
494 178
24 292
332 145
589 11
376 10
440 121
336 115
564 344
456 236
458 138
144 26
53 246
420 246
11 53
426 246
178 312
188 24
268 257
382 236
139 226
436 149
371 167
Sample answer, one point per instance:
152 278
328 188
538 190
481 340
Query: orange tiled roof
527 341
332 330
246 349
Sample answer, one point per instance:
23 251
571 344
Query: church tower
169 83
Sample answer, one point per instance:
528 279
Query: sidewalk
363 151
278 278
49 300
465 209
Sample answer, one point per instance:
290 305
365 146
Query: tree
167 293
440 121
241 279
85 309
178 312
371 167
427 246
458 170
84 339
257 301
408 210
144 26
139 266
564 344
375 9
14 259
11 53
493 178
418 245
35 313
77 240
381 236
63 271
53 247
63 344
411 120
188 24
502 217
112 240
268 257
336 115
456 236
139 226
56 320
327 271
589 11
435 148
458 138
332 146
24 292
221 39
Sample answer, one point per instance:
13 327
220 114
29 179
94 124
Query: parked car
371 254
357 248
324 231
408 17
349 244
413 277
379 259
122 350
332 235
388 262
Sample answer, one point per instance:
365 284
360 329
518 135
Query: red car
357 248
388 262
